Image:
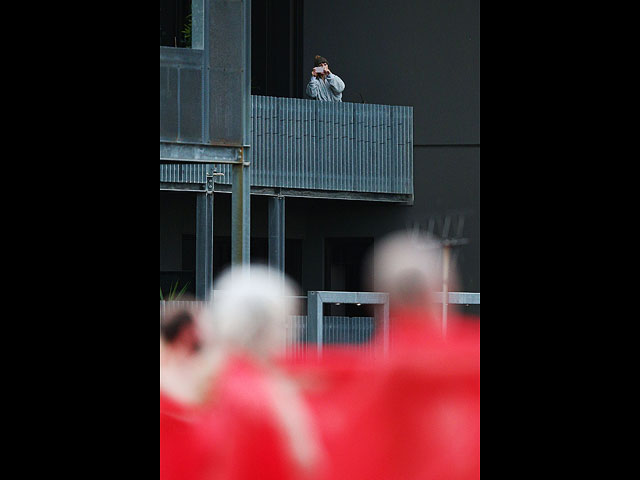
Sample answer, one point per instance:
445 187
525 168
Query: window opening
180 23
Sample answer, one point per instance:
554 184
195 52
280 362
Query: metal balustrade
356 332
330 146
298 147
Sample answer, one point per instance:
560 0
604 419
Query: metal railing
330 146
356 332
328 149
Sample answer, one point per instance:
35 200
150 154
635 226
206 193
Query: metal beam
204 245
460 298
240 215
182 187
276 232
323 194
315 314
198 153
315 320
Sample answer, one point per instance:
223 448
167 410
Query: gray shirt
328 89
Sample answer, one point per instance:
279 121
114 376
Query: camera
319 69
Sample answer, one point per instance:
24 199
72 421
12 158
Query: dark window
344 269
184 278
188 253
259 254
175 23
222 253
276 48
293 261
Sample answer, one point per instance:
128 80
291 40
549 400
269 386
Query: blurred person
227 410
273 434
191 429
409 267
412 412
324 85
188 354
422 417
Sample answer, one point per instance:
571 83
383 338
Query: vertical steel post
385 323
276 232
446 253
240 214
204 245
241 188
228 55
315 321
197 25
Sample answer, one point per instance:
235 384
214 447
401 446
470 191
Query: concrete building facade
313 200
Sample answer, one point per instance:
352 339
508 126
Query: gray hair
408 265
250 306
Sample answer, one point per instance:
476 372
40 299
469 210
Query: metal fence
305 145
340 146
356 332
353 331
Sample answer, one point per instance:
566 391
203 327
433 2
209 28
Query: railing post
276 232
315 321
446 252
204 245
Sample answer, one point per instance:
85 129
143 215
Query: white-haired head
408 266
250 308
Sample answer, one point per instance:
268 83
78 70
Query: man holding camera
324 85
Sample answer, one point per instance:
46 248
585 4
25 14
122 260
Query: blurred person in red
272 434
413 269
413 411
422 420
191 429
231 413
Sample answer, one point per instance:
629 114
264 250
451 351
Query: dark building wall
424 54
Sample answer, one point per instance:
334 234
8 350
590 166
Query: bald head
408 266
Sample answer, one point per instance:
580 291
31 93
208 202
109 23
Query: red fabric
257 444
414 415
422 419
236 436
190 441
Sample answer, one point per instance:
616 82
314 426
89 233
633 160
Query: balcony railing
298 146
331 146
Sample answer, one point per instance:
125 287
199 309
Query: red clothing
414 415
423 418
191 441
236 436
259 448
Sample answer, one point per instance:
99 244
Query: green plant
173 293
187 31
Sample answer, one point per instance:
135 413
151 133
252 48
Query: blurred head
250 309
179 330
408 266
186 362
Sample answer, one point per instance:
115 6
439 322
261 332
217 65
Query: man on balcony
324 85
